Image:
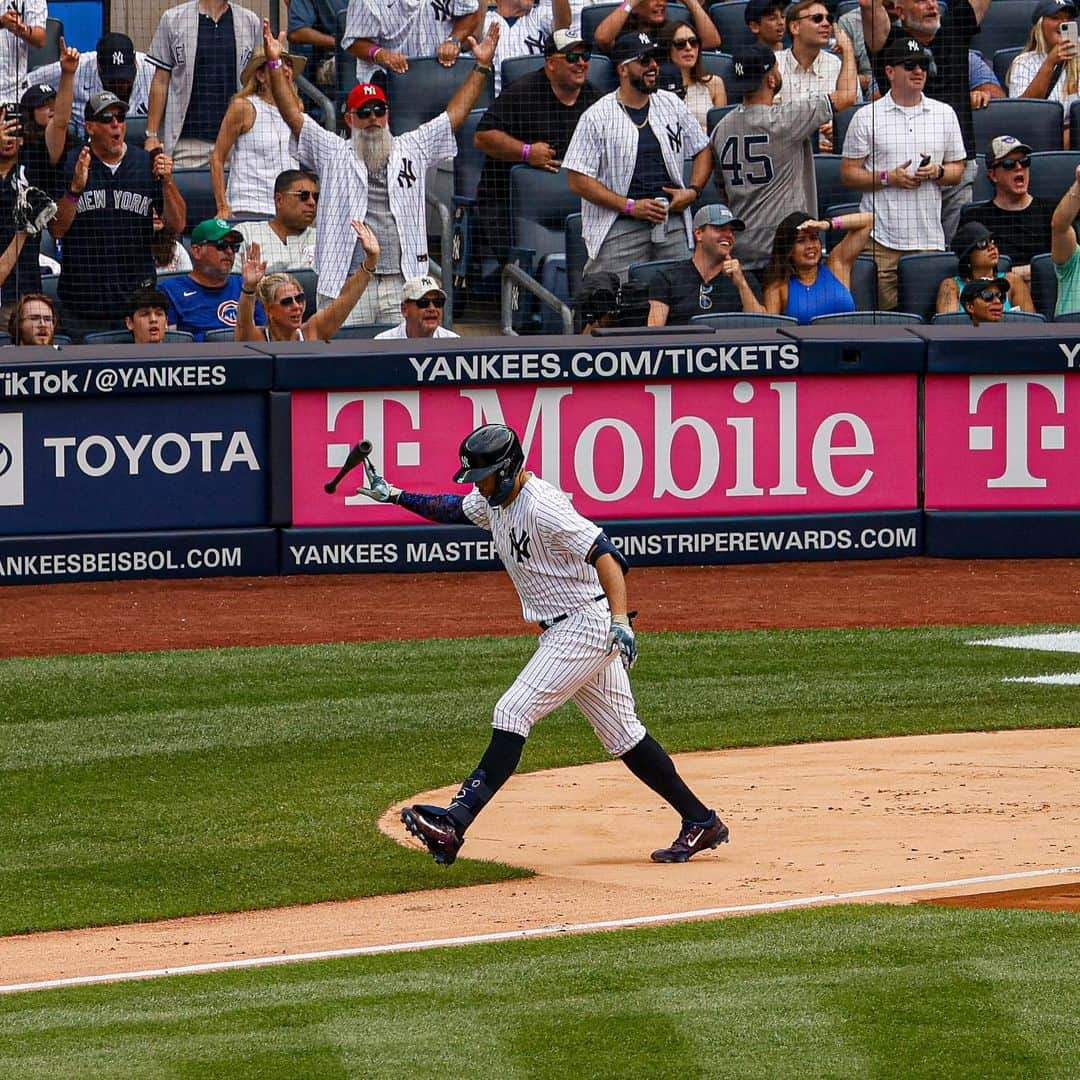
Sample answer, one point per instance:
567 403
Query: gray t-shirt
382 224
765 164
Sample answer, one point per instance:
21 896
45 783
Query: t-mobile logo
1022 393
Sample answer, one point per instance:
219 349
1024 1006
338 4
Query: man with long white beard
374 177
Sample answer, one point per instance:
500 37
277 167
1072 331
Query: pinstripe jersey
542 541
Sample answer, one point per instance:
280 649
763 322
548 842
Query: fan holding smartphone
1049 66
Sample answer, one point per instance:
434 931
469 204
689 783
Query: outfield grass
148 785
839 992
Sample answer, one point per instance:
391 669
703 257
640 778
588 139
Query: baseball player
569 577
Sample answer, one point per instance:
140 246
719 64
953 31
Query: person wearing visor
422 304
106 219
984 299
570 579
626 162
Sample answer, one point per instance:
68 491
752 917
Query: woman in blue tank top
977 251
799 281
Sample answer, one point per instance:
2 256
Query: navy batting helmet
491 450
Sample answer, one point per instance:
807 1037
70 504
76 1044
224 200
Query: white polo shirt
887 135
399 332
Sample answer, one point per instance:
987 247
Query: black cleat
434 829
692 838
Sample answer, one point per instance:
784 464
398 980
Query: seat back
368 331
540 203
1044 285
646 271
829 189
135 131
918 278
841 122
49 53
576 254
869 318
511 70
198 192
742 320
422 92
602 74
1004 25
1042 123
728 17
864 283
1002 61
309 281
1053 173
469 162
224 333
123 337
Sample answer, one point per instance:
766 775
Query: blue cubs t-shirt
197 308
107 248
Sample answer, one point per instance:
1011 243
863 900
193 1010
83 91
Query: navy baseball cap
973 288
116 58
717 214
634 46
37 95
1052 7
751 64
906 48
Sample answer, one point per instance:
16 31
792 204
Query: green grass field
141 786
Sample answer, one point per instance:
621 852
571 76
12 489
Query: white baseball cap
419 287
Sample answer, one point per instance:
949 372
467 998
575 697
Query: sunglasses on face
226 245
304 196
289 301
687 43
430 301
990 295
575 57
982 245
110 119
818 17
375 109
911 65
1015 163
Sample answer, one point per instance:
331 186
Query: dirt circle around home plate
986 819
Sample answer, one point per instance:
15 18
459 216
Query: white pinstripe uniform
527 35
15 52
88 83
543 541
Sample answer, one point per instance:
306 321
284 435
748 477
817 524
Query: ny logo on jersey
407 176
520 544
674 138
536 44
442 9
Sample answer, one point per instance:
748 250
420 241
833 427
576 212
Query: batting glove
622 640
378 490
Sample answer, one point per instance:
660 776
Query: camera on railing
602 301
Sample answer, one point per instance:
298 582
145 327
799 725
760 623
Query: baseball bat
357 454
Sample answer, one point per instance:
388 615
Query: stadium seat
593 15
841 122
918 278
49 283
224 334
602 74
1005 25
1053 173
512 69
368 331
1002 61
5 339
195 186
61 339
714 116
829 189
136 130
576 254
742 320
309 281
719 63
646 271
729 19
467 168
868 318
1044 286
49 53
123 337
1040 123
1069 317
422 92
540 203
960 318
864 283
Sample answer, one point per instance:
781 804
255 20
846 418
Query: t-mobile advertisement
633 450
996 442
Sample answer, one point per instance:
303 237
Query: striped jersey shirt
542 541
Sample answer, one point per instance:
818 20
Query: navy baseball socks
442 831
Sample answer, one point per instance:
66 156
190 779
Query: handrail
513 275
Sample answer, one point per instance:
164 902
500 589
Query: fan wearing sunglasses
207 297
288 238
976 248
985 300
422 305
375 177
809 68
282 297
700 90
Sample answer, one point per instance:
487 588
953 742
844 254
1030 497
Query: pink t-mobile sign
996 442
695 448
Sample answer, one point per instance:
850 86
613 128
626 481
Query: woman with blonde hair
283 299
256 138
1049 66
700 90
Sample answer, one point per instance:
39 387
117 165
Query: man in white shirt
374 177
422 303
22 27
900 152
625 160
287 240
808 68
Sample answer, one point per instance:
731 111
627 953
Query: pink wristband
373 52
883 176
628 209
526 150
272 64
837 224
628 8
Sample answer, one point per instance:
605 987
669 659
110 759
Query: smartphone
1069 32
924 161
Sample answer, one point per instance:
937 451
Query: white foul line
518 935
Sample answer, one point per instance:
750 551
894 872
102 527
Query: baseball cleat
693 837
434 829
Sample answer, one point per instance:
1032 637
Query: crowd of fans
217 90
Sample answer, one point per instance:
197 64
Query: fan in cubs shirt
208 297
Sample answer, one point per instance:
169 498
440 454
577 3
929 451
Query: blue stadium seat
714 116
918 278
512 69
1002 61
868 318
195 186
841 122
728 17
361 332
49 53
5 339
1044 286
1040 123
309 281
136 130
1004 26
1053 173
646 271
719 63
422 92
864 283
123 337
602 74
829 189
49 282
224 334
742 320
